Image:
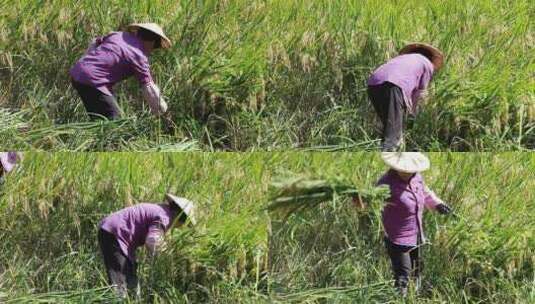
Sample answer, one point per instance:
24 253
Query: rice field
329 252
271 75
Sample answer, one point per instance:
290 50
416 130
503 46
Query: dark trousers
405 262
121 271
96 103
387 100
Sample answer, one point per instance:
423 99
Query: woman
122 232
8 160
113 58
396 87
402 215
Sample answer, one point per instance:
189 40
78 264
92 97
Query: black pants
121 271
405 262
387 100
96 103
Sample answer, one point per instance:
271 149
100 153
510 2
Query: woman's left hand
443 209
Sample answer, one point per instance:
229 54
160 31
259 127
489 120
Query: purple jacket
411 73
402 215
131 226
111 59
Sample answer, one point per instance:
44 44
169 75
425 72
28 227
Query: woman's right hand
163 106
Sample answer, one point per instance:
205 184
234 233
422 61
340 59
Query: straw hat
187 206
437 57
153 27
9 160
407 162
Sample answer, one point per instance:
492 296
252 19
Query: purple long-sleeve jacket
110 59
402 215
132 226
411 73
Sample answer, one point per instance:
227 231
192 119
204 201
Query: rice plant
294 193
250 75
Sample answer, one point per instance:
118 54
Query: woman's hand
443 209
163 106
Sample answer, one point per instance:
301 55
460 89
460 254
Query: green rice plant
294 193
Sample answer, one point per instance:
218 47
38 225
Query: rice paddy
271 75
330 252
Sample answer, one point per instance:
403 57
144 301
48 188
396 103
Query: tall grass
246 75
51 205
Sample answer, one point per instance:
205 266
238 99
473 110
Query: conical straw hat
437 57
153 27
187 206
408 162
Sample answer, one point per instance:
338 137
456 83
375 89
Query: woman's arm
154 239
420 93
152 96
432 201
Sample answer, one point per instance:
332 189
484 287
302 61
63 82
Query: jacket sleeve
141 67
154 238
425 78
152 96
431 199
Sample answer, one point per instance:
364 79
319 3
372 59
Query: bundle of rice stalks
298 192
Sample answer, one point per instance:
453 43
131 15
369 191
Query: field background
250 75
51 205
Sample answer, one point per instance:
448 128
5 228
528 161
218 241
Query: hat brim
166 42
179 202
406 163
437 57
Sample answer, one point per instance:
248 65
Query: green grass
269 75
331 253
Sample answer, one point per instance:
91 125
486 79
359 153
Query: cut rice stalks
294 193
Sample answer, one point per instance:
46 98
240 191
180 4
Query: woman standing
396 87
113 58
122 232
402 215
